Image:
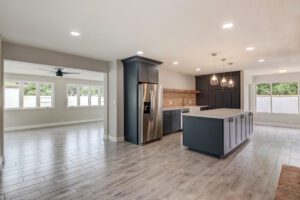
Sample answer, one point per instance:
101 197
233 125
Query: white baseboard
277 124
114 139
35 126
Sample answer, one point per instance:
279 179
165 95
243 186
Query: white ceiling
24 68
166 30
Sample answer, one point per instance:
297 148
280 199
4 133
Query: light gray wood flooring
75 162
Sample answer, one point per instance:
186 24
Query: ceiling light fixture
74 33
198 69
214 79
175 63
223 80
230 82
249 48
261 60
227 25
282 71
139 53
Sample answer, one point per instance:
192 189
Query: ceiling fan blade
47 70
71 73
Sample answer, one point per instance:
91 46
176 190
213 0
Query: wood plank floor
74 162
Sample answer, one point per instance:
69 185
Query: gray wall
1 105
60 114
175 80
115 101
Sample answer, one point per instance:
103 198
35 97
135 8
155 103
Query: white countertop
221 113
183 107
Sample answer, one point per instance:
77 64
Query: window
45 95
12 94
263 97
26 94
29 95
285 98
72 96
94 96
82 95
277 97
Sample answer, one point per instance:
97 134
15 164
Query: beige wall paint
175 80
29 54
60 113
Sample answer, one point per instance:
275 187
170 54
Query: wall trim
113 138
36 126
284 125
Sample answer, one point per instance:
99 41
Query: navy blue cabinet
172 121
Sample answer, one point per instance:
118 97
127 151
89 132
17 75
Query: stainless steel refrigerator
150 125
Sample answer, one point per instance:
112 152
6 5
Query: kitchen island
216 132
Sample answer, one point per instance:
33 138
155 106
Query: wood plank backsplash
177 97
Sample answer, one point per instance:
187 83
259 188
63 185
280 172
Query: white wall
115 101
175 80
1 106
290 120
246 90
17 119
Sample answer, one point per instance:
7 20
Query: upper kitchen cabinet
216 96
148 71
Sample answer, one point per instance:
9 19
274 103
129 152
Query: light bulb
230 83
214 80
223 82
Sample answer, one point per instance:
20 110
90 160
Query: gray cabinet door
153 73
243 127
143 73
229 134
176 120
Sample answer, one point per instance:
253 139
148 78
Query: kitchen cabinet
137 70
148 73
172 121
214 95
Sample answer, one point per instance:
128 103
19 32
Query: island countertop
221 113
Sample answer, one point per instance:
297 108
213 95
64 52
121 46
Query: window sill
23 109
85 106
270 113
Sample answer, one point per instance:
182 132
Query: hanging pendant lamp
223 80
230 82
214 79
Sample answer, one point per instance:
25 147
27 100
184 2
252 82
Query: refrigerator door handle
151 105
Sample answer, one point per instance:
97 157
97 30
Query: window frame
78 86
37 96
271 96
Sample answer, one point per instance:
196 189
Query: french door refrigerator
150 112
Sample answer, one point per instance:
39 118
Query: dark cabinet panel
202 84
143 73
153 73
176 120
216 96
172 121
167 122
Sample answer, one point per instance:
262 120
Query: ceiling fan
60 71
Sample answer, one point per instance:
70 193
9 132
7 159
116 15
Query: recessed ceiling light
227 25
261 60
175 63
74 33
282 71
249 48
198 69
139 53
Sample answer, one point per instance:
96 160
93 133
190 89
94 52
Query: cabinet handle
242 116
230 120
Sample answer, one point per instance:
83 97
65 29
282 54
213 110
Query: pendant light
223 80
214 80
230 82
